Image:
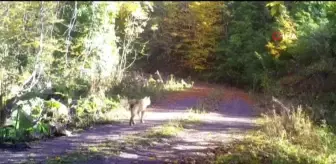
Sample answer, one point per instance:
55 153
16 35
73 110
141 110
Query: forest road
235 115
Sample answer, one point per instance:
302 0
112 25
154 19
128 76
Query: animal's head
147 100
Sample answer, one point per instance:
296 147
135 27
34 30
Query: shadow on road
235 116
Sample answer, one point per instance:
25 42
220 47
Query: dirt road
235 115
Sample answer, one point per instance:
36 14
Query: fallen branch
31 82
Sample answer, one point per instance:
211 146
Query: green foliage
70 47
249 30
22 124
88 111
95 110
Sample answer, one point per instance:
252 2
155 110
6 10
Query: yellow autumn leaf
282 47
273 11
273 52
270 45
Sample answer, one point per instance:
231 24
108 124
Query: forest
67 67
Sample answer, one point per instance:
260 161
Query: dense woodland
86 56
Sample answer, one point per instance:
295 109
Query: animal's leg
132 119
141 117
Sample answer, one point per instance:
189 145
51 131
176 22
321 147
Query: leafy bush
34 118
92 110
24 122
236 62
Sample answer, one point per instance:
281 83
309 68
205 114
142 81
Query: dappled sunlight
146 82
211 117
190 147
128 155
187 133
99 137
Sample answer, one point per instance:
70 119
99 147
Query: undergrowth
137 85
288 137
84 112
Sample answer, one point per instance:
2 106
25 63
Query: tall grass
287 137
